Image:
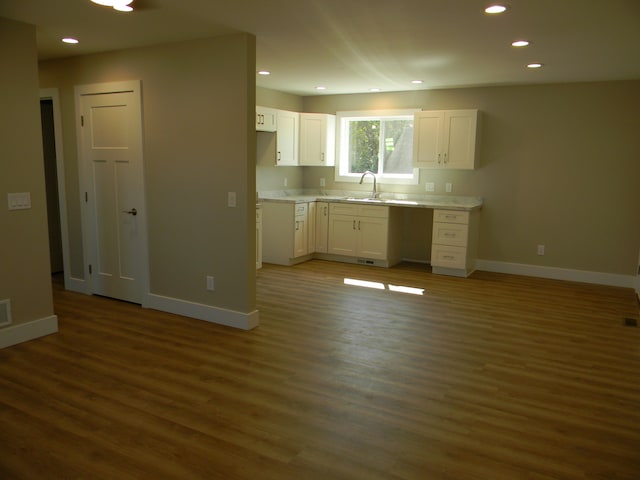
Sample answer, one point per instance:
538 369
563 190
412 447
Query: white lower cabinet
363 232
453 243
285 233
258 237
322 227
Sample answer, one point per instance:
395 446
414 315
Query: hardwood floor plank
488 377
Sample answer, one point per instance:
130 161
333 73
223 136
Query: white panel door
112 156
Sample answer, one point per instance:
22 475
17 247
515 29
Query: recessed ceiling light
495 9
416 82
321 88
120 5
520 43
534 65
264 72
123 8
70 40
374 89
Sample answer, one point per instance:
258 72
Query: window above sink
380 141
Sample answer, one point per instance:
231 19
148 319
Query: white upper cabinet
445 139
288 127
266 119
317 139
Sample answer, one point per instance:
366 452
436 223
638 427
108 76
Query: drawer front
357 210
373 211
448 256
343 209
450 234
301 209
451 216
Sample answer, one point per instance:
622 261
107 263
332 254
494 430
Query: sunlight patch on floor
382 286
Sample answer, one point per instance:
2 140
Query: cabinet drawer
301 209
338 208
448 256
451 216
450 234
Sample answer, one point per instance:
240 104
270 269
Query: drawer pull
449 257
449 235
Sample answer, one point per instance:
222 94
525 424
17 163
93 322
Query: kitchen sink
380 200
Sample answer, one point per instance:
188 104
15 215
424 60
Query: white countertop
448 202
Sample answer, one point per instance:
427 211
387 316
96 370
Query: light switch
448 187
19 201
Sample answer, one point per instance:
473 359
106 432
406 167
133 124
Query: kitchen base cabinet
454 242
285 239
322 227
364 234
258 237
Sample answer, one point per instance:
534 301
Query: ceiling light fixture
119 5
520 43
374 89
534 65
264 72
321 88
416 82
70 40
493 9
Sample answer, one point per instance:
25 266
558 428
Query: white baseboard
230 318
23 332
584 276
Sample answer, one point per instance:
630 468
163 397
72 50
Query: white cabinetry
317 139
266 119
285 236
361 231
322 226
445 139
258 237
453 245
288 131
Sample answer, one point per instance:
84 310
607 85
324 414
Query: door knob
133 212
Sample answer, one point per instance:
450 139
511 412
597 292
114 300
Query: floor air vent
5 312
630 322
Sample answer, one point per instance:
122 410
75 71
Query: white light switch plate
19 201
231 199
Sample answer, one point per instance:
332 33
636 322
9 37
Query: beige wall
558 165
24 255
198 102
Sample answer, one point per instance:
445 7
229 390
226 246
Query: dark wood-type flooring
490 377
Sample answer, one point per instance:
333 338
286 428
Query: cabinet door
300 239
317 139
322 227
372 237
287 138
342 235
460 139
311 227
427 139
258 238
265 119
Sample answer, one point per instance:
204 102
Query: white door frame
85 179
70 282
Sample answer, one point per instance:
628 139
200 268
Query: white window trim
342 146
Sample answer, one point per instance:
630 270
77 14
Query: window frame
342 146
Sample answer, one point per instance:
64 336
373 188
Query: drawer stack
450 251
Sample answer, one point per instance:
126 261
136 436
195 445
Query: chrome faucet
374 193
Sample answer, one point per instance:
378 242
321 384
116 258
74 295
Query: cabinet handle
297 226
449 235
439 159
279 156
322 157
325 211
445 157
448 257
354 224
358 224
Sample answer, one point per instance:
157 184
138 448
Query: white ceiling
351 46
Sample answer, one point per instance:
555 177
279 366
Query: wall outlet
430 187
322 182
286 181
211 285
231 199
540 249
448 187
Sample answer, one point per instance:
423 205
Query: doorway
51 183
